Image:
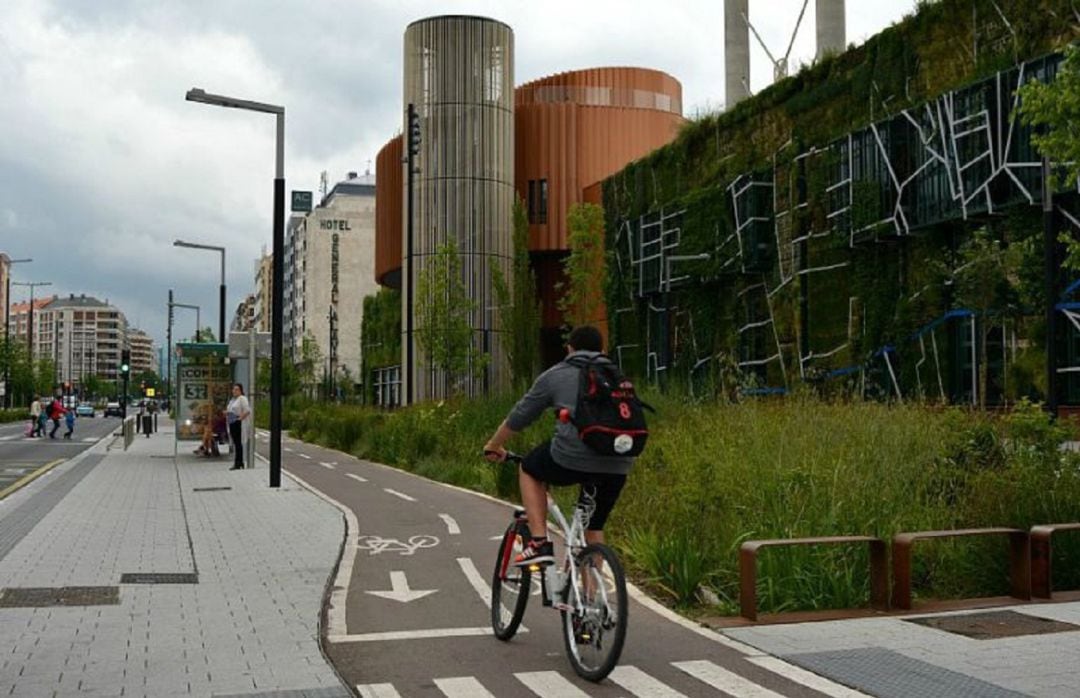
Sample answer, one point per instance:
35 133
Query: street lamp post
198 311
221 290
276 326
7 334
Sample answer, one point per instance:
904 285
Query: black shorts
604 488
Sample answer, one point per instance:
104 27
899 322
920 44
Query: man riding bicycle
565 459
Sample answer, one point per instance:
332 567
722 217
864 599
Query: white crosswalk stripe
90 439
354 476
728 682
8 438
550 684
377 690
463 687
641 684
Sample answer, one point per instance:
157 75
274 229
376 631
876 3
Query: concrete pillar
831 27
736 52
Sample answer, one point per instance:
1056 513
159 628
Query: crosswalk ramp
553 684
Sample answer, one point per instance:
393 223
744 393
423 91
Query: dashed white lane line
286 448
728 682
482 631
304 456
641 684
451 526
404 496
356 477
324 464
463 687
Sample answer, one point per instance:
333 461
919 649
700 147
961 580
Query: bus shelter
203 382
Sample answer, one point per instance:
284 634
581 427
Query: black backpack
609 417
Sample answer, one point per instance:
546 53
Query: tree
44 377
585 267
206 334
289 381
1054 109
982 286
311 360
519 308
92 386
443 309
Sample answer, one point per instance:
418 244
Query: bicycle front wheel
594 629
510 585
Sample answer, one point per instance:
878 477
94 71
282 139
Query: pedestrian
237 411
35 417
43 418
69 420
56 411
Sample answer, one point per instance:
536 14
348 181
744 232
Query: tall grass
714 476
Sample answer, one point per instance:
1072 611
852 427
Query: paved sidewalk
249 625
893 657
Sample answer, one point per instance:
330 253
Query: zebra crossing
553 684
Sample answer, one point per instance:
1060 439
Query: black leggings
236 432
603 488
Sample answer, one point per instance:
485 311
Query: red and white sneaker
536 552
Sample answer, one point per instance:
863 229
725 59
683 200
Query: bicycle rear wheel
510 585
595 629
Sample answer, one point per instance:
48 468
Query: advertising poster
203 383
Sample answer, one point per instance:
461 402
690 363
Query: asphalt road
21 457
416 536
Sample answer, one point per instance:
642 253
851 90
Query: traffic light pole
125 373
412 146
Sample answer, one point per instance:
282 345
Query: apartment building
83 336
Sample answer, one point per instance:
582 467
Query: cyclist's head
585 338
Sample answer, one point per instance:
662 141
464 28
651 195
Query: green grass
716 475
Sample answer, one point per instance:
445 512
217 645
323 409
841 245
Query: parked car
85 409
112 409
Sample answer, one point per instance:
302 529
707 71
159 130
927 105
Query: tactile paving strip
887 674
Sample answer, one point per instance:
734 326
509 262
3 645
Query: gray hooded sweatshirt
554 389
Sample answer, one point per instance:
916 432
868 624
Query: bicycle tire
594 634
510 586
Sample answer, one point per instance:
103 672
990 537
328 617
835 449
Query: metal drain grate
159 578
994 624
210 489
38 597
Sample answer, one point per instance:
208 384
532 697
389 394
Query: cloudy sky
103 164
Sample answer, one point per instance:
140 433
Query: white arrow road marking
463 687
400 589
304 456
404 496
327 465
726 681
354 476
377 690
451 526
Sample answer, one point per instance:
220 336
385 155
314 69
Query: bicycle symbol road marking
377 544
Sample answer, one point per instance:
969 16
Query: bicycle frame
556 578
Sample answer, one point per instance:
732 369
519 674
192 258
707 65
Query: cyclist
565 459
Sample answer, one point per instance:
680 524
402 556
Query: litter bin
147 424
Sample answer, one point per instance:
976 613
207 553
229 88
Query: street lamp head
196 94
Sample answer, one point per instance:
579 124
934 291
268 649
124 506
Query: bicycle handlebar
510 456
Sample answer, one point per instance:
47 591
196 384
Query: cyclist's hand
494 454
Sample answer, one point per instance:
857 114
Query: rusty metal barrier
1041 583
879 570
1019 562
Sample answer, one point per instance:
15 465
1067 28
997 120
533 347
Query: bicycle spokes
595 622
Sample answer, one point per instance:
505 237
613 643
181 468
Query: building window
538 201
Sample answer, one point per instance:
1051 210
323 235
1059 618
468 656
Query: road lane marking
404 496
9 438
27 479
327 465
288 449
463 687
481 586
549 684
805 678
641 684
90 439
400 591
412 634
377 690
354 476
304 456
726 681
451 526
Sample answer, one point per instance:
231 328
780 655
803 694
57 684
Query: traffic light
125 361
414 132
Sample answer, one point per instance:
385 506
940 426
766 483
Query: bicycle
588 588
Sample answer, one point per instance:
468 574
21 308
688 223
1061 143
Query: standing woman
237 411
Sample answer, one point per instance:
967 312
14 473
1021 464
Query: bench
1041 583
879 583
1019 564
